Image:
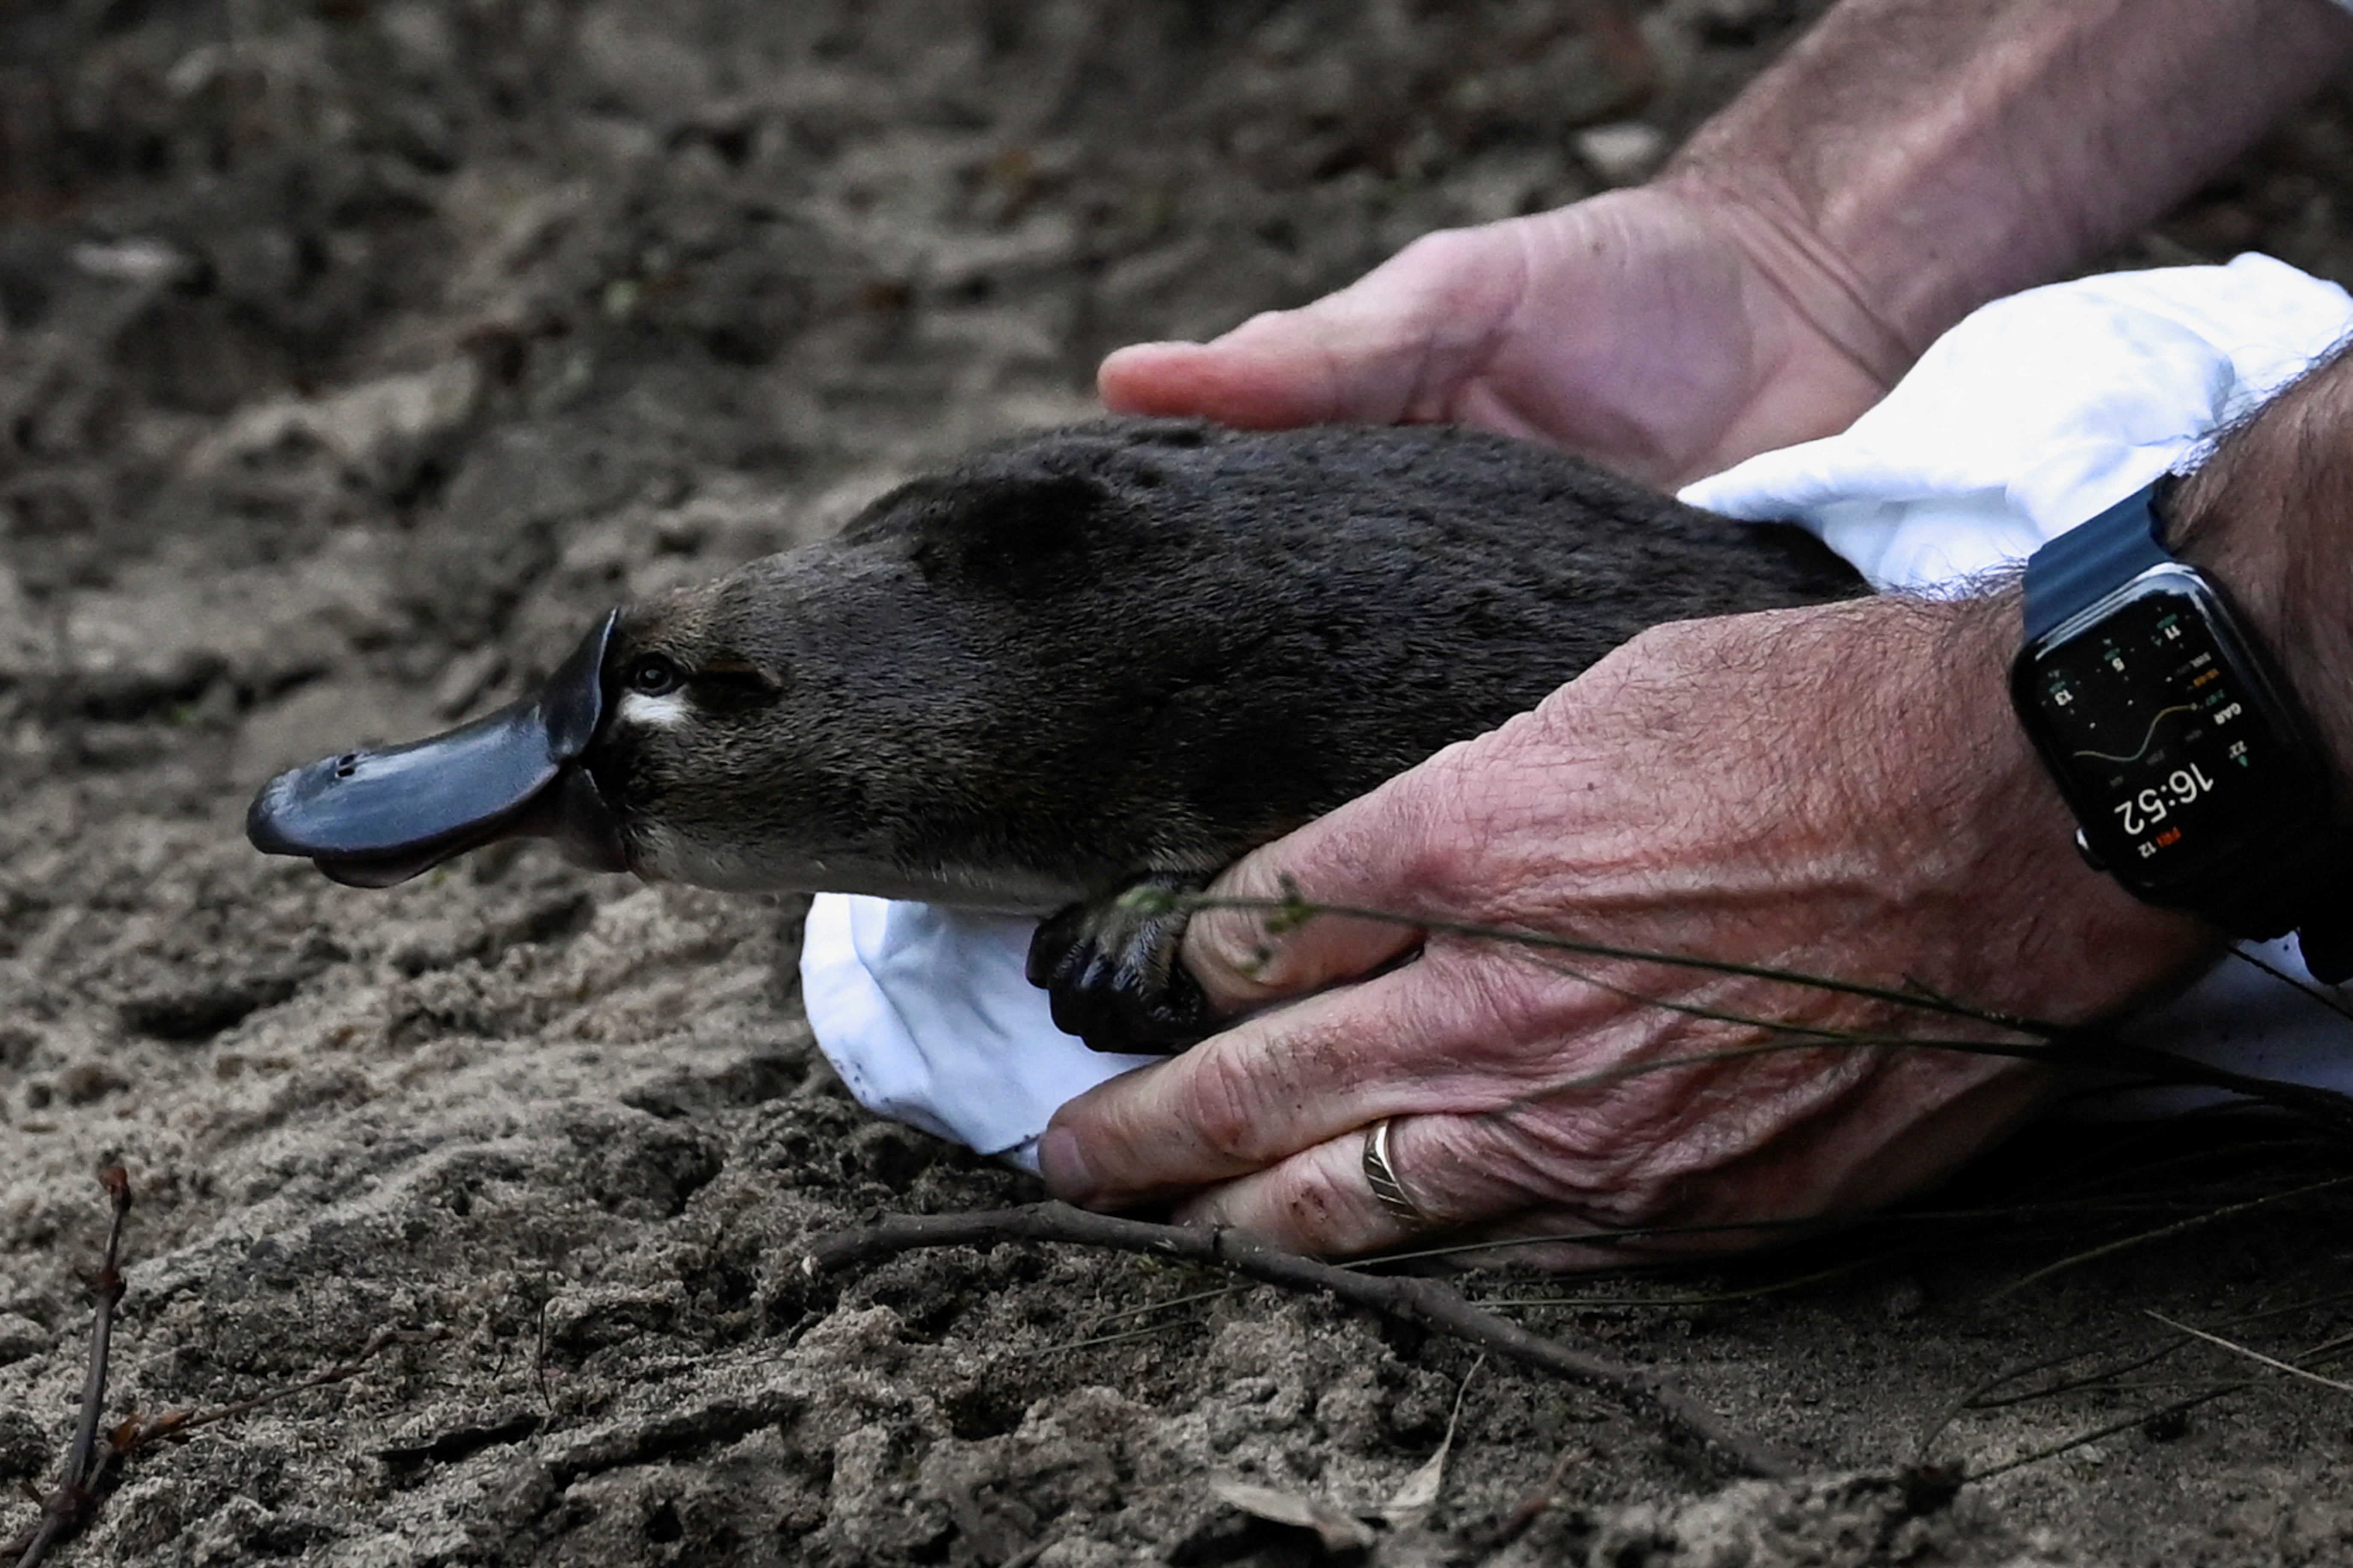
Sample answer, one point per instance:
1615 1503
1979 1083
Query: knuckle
1448 1170
1438 252
1315 1203
1246 955
1263 324
1224 1105
1318 1216
1412 837
1230 953
1503 1012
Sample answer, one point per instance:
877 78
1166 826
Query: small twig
539 1354
2110 1377
2177 1406
69 1502
1034 1551
137 1432
2084 1439
2204 1218
1537 1503
1428 1302
2251 1354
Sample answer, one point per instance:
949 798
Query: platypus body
1125 652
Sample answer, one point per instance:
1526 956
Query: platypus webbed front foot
1109 969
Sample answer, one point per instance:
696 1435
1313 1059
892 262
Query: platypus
1122 653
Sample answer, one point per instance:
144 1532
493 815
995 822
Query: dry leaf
1419 1493
1339 1531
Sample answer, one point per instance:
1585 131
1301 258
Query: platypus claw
1110 971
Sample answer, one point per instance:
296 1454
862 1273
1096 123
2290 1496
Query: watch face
2179 758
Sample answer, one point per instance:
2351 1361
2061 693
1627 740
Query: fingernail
1066 1171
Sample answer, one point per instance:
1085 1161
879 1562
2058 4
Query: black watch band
2198 781
2086 563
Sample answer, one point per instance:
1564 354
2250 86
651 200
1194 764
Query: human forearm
1909 160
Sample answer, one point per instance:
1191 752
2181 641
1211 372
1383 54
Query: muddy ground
353 353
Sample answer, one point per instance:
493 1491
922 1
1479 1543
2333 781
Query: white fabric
925 1012
2038 411
2033 414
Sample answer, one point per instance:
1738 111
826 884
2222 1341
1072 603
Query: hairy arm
1909 160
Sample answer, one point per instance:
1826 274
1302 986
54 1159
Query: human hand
1840 792
1663 330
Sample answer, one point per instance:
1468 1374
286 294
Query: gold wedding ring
1382 1177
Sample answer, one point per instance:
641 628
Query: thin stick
1428 1302
1534 1506
2205 1217
2110 1430
2250 1353
179 1422
69 1503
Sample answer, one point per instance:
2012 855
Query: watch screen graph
2147 741
2167 762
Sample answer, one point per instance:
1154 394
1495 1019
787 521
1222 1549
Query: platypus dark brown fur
1128 651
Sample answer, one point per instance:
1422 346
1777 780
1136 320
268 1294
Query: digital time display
2171 753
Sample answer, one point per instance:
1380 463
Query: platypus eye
654 676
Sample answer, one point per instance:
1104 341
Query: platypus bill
1122 653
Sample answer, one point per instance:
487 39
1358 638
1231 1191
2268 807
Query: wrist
2199 780
1757 215
1986 826
2096 950
1989 834
2270 516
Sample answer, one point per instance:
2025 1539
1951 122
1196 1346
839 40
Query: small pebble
85 1082
1622 153
21 1337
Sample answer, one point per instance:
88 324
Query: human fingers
1291 1078
1635 327
1416 842
1262 375
1606 1132
1394 346
1587 1184
1584 1179
1326 1199
1319 1201
1273 1084
1275 933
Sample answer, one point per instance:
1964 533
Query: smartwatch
2196 778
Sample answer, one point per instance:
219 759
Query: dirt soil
355 354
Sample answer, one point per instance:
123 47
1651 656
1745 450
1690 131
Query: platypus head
750 734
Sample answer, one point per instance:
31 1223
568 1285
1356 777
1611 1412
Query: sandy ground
353 355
